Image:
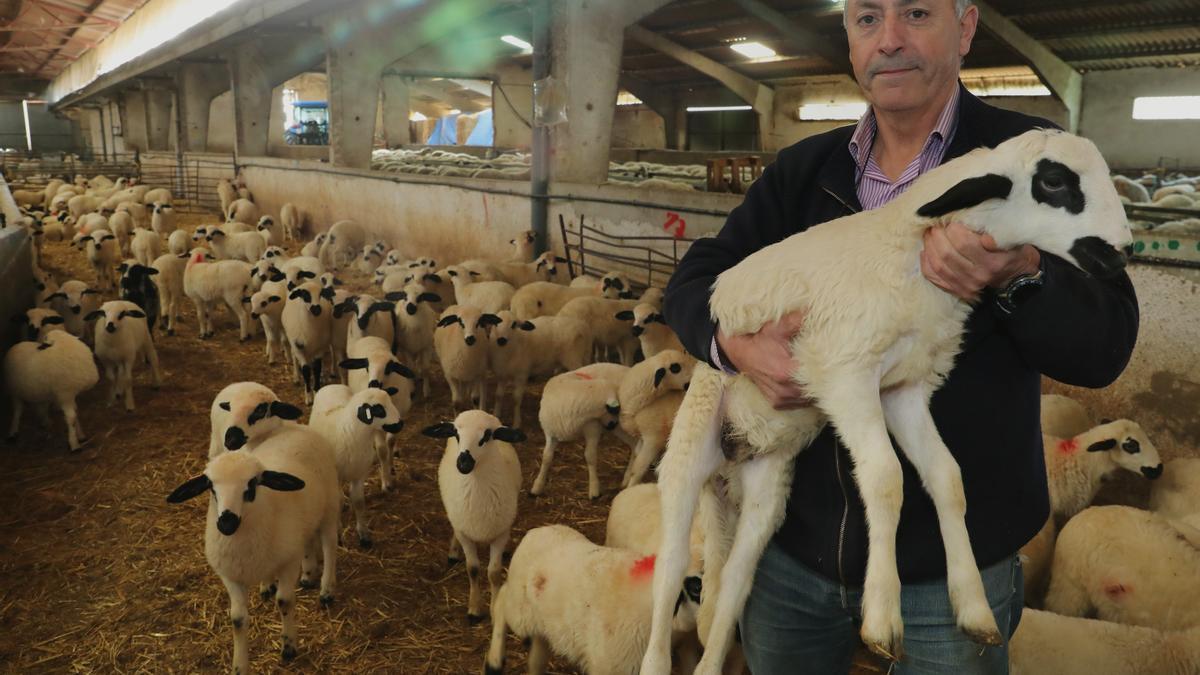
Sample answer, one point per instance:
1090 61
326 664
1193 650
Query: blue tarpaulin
483 133
445 132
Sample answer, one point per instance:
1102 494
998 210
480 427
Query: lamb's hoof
489 669
475 619
365 542
76 450
326 601
883 633
288 653
989 637
534 495
308 584
268 593
244 338
171 332
451 562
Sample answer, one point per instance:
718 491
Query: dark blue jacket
1078 330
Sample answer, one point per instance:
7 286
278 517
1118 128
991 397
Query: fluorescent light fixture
517 42
417 117
717 108
753 50
454 111
28 135
848 110
1166 108
626 98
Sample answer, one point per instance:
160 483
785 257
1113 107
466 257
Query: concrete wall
49 133
220 123
638 127
1128 143
16 278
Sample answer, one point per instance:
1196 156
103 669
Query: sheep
370 260
650 328
137 287
266 306
489 296
244 414
369 363
1076 466
307 319
1047 643
349 422
545 268
207 282
300 268
157 196
120 224
1174 201
614 285
178 242
247 246
1183 189
243 211
845 359
371 317
102 253
80 205
56 369
543 298
269 231
1126 565
200 234
291 219
255 535
74 301
37 322
1135 191
518 350
1177 494
608 331
162 218
145 246
591 604
650 396
583 403
345 238
416 320
171 268
226 194
122 340
275 254
339 328
479 479
460 342
136 211
1036 556
313 248
1064 417
523 247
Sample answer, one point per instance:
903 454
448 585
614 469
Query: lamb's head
116 315
474 323
1128 447
136 281
1046 188
366 306
641 317
371 260
216 236
265 223
274 254
264 271
652 296
411 297
523 245
459 276
615 285
475 433
393 257
547 265
381 372
313 296
36 323
672 369
374 408
250 412
162 209
234 479
201 232
262 302
506 327
612 412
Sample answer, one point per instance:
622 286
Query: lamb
102 253
162 218
544 298
479 479
650 328
123 340
350 422
247 246
55 370
313 248
339 329
1185 189
137 287
518 350
119 223
291 219
588 603
1076 466
145 246
371 317
545 268
79 205
370 260
244 414
74 300
369 363
583 403
1174 201
256 535
523 247
614 285
345 239
845 364
226 194
1047 643
488 296
270 231
1177 494
608 331
1136 192
300 268
1126 565
416 320
307 318
178 242
171 268
137 211
461 345
206 283
36 323
1064 417
242 211
157 196
650 395
266 306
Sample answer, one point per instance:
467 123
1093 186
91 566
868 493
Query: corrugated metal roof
46 35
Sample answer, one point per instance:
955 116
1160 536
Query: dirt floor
102 575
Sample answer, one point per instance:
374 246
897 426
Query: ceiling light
717 108
454 111
517 42
753 50
417 117
848 110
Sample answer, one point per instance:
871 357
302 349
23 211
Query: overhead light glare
753 50
518 42
717 108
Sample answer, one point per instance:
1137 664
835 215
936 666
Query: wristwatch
1019 291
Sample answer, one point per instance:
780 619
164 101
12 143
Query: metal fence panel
646 260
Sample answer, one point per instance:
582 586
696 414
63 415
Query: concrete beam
796 35
251 99
396 110
668 107
197 85
132 112
1058 75
353 101
158 118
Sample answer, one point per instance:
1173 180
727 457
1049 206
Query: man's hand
764 357
963 263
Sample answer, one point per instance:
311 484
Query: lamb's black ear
53 320
285 411
440 430
527 325
93 315
353 364
428 297
966 193
489 320
137 314
280 481
1105 420
400 369
396 296
224 405
659 375
432 277
624 315
192 487
1101 446
508 435
447 320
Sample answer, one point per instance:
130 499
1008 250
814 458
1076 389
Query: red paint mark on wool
642 569
199 257
1068 446
1115 589
583 376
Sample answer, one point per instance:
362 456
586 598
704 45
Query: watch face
1024 291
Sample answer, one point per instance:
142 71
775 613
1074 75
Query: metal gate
192 179
646 260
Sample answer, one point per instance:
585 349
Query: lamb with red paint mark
580 404
1076 466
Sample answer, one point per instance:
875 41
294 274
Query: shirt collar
864 132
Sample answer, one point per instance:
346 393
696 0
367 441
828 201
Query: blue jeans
798 622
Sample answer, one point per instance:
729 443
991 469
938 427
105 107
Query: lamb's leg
306 373
907 413
765 483
454 551
634 452
494 663
316 369
17 407
483 391
383 451
308 567
475 600
110 373
239 617
125 383
455 393
201 316
496 409
285 598
359 503
426 362
693 456
648 450
518 395
539 655
539 483
329 546
591 455
74 431
496 564
152 354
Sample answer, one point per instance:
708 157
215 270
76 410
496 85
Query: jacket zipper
841 201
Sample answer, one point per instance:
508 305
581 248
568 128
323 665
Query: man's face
906 53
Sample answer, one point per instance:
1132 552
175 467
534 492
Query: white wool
342 243
544 298
37 322
244 414
247 246
369 316
608 332
1064 417
103 254
178 242
518 350
74 301
308 320
226 194
55 370
460 341
122 340
146 246
266 305
650 396
162 218
1050 644
646 323
523 247
270 231
291 219
208 283
416 319
547 267
157 196
243 211
1177 493
171 267
1076 466
488 296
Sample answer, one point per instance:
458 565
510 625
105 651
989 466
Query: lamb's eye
1052 183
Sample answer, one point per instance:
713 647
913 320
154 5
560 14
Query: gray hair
960 8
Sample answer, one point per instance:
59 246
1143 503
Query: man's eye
919 14
866 20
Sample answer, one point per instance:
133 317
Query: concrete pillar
198 84
675 124
396 130
132 108
251 99
158 118
354 71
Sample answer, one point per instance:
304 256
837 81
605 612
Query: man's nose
891 38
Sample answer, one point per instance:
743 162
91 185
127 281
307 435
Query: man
1034 314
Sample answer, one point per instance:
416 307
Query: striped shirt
874 188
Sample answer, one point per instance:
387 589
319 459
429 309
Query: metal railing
23 170
192 179
649 260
